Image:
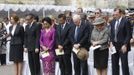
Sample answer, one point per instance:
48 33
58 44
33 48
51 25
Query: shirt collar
119 20
31 23
64 25
15 25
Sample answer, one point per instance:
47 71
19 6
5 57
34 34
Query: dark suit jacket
40 25
90 28
18 37
83 35
124 32
62 37
32 35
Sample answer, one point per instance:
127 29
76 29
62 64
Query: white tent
16 7
22 8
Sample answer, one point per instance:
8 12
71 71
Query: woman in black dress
100 36
16 44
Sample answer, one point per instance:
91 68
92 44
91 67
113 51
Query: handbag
82 54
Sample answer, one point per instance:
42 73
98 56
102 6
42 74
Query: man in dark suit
79 37
36 19
32 35
84 19
63 43
120 38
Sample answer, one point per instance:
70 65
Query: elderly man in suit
120 38
79 37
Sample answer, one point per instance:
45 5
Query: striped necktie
77 33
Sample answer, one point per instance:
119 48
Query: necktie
116 30
62 27
30 26
77 33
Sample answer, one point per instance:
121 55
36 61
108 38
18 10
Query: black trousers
124 62
34 63
65 64
80 67
3 59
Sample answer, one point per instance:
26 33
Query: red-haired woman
16 44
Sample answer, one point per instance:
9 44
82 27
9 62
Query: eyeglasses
97 12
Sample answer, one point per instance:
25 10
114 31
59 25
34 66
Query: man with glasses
98 13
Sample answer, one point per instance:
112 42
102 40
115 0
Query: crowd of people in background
67 33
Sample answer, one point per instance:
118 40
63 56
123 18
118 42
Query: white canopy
16 7
22 7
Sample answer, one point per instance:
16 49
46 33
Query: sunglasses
97 12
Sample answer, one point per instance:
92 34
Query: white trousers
7 53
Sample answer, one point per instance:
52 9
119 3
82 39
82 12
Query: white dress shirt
117 23
13 30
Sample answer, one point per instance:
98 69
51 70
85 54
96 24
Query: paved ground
7 70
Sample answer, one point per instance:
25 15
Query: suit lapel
59 31
113 26
28 29
16 30
10 29
121 24
32 26
73 32
65 29
82 27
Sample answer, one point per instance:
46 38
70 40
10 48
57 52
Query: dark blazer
40 25
83 35
124 32
90 28
32 35
18 37
62 37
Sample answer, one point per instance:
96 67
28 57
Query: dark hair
36 18
99 10
62 16
122 11
15 17
47 19
31 15
68 12
83 16
2 25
